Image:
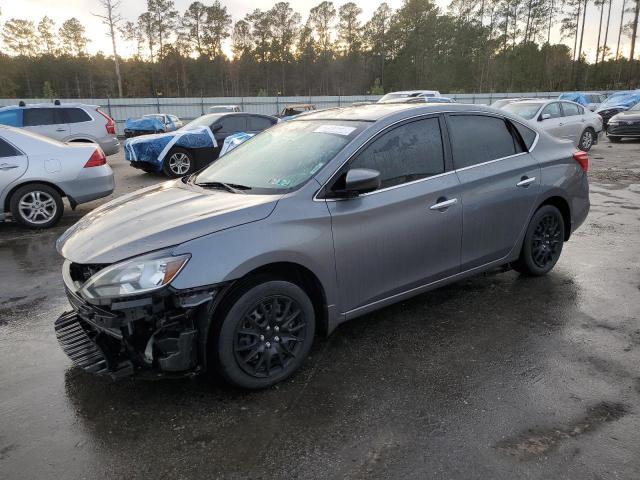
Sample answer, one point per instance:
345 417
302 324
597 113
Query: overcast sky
59 11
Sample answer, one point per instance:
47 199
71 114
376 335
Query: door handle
560 124
443 204
525 181
61 129
7 166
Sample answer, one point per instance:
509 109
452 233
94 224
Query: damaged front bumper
162 334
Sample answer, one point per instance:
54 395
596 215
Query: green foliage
475 46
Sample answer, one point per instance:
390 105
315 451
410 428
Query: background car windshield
524 110
393 96
635 108
283 157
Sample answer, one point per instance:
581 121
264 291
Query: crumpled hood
628 116
156 217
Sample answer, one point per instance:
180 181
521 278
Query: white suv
68 122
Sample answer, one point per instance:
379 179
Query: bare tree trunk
624 4
606 33
550 21
634 30
111 20
599 31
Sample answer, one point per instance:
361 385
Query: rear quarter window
259 123
12 118
7 150
76 115
479 138
528 135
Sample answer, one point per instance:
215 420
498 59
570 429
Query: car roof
409 92
49 105
377 111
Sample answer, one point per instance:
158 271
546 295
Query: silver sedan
562 119
36 172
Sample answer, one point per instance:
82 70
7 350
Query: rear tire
178 163
264 335
587 139
542 243
36 206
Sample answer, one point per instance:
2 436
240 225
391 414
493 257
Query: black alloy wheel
263 334
270 337
543 242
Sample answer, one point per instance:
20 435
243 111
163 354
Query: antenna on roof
22 104
57 102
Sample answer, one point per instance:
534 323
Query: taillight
96 159
110 126
583 159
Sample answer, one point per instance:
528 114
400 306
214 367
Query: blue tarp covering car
616 103
152 149
576 97
144 124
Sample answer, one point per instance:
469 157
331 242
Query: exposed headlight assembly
134 277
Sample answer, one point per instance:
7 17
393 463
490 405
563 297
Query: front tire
542 243
178 163
587 139
36 206
265 334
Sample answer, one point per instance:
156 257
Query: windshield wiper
229 187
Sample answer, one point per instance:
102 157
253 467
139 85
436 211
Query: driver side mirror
358 181
216 128
544 116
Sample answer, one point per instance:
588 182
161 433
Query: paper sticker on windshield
335 129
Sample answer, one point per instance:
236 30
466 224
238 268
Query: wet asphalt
496 377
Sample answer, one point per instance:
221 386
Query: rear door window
257 124
553 110
570 110
479 138
409 152
233 124
11 117
7 150
34 117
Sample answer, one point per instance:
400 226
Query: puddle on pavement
535 443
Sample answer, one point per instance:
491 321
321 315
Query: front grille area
623 129
78 346
82 272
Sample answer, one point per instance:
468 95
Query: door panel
574 121
391 241
13 164
556 125
45 121
407 233
495 209
499 183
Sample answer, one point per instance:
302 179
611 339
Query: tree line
473 46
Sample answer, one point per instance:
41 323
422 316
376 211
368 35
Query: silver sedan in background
562 119
37 171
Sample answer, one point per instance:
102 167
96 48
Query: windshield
203 121
621 98
281 158
524 110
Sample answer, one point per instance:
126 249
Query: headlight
133 277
